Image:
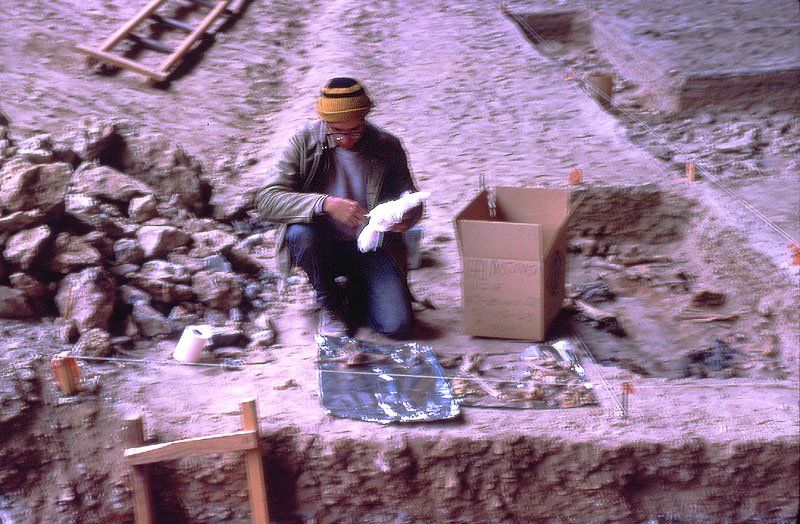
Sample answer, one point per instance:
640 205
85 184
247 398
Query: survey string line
553 55
599 372
401 375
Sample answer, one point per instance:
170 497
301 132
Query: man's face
346 134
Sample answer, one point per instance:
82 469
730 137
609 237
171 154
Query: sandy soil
471 97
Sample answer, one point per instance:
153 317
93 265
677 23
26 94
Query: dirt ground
473 95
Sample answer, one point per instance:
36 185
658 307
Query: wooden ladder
138 456
161 73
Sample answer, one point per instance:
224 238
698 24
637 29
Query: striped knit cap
343 99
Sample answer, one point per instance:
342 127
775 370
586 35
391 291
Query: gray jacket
292 189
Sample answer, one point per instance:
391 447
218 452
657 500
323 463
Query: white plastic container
191 343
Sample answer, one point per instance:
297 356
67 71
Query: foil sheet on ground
543 376
382 383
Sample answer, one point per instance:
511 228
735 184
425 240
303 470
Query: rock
30 287
262 339
218 290
706 298
21 220
704 119
163 166
229 352
124 270
14 304
163 291
263 321
217 263
166 271
132 295
181 316
92 213
190 264
64 329
226 336
107 183
207 243
17 397
194 225
141 209
71 253
242 261
94 342
769 306
150 322
157 241
24 248
227 206
88 297
128 251
746 143
25 186
37 149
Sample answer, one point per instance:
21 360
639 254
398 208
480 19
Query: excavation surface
471 97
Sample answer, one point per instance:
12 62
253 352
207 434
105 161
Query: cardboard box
513 263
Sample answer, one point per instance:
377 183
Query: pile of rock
112 228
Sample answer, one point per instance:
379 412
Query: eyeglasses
339 136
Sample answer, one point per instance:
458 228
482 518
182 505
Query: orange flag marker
795 254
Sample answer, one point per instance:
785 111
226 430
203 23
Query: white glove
384 216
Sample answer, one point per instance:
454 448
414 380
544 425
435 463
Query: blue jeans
377 291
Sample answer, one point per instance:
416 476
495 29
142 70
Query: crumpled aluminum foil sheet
382 383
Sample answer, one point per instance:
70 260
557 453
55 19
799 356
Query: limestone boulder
37 149
162 290
184 314
22 220
97 215
70 253
128 251
207 243
89 297
157 241
91 139
14 304
150 322
163 165
23 249
166 271
143 208
218 290
25 186
30 286
229 205
107 183
94 342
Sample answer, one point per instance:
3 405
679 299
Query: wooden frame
138 455
104 54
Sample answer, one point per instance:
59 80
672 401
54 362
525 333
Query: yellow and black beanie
343 99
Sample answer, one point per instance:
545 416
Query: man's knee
304 241
397 327
300 237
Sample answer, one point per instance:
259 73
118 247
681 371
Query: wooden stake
256 483
133 437
690 172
